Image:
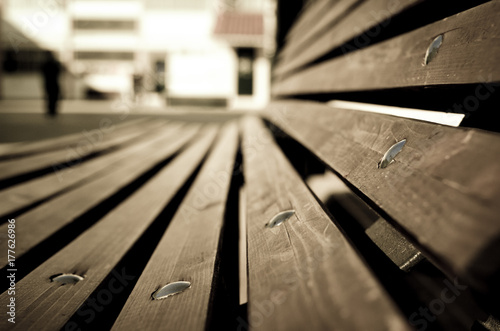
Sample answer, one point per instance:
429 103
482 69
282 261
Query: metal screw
433 49
170 289
280 218
66 278
389 156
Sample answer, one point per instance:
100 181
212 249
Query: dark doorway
245 70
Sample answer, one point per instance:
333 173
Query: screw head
279 218
66 278
389 156
170 289
433 48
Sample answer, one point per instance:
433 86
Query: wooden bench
317 215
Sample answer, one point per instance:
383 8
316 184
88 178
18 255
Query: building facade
182 51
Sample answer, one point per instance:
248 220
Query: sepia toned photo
249 165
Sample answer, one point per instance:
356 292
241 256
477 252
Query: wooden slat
369 14
187 252
242 247
303 275
308 14
363 17
74 152
47 305
33 147
25 194
38 224
329 188
329 16
443 188
468 55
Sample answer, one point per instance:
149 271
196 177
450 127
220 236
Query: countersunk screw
433 49
389 156
66 278
280 218
170 289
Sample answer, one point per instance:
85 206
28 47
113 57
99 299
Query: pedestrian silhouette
50 70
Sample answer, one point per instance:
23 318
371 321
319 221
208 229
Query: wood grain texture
242 247
330 15
39 223
74 152
443 188
468 55
303 274
187 252
48 305
307 16
27 193
34 147
365 16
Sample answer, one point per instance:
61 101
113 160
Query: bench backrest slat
467 55
328 18
443 187
307 17
364 16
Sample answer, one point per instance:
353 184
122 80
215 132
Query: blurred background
148 54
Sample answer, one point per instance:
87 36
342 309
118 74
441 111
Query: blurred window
23 61
178 4
86 55
28 4
104 25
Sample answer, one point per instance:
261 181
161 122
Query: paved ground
22 120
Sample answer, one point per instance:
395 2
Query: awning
240 29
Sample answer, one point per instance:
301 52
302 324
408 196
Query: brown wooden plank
307 15
39 223
468 55
303 274
74 152
365 16
328 187
47 305
187 251
25 194
310 16
443 188
330 15
61 142
242 247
